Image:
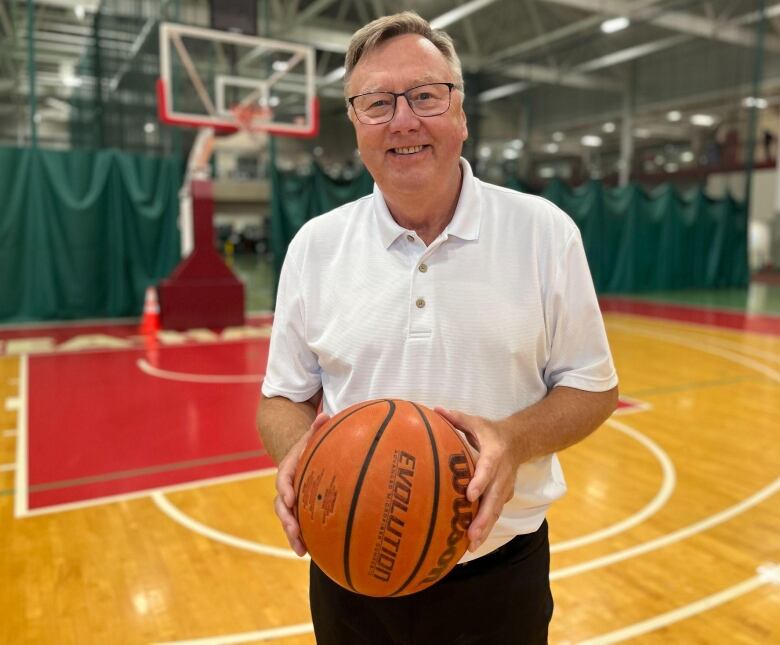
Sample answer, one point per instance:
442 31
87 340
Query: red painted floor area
99 426
761 324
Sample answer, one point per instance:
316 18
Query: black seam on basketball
358 486
434 508
314 451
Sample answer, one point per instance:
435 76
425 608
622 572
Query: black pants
502 598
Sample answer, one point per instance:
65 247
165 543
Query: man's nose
404 117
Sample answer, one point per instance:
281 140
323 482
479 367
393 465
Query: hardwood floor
673 510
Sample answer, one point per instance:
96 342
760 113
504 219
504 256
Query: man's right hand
285 498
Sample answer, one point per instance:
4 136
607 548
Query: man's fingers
484 473
320 420
292 529
489 510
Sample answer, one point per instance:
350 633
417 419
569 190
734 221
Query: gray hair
407 22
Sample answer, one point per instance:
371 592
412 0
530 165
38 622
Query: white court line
670 538
7 468
124 497
723 343
20 481
768 574
667 488
706 346
264 635
9 433
681 613
218 536
151 370
12 403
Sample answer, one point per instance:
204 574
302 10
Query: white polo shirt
497 311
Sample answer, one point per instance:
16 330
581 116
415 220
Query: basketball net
252 120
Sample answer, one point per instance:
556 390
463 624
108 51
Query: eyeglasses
374 108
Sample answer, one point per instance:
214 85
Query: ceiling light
274 100
755 102
687 156
674 115
615 24
558 136
671 167
608 127
642 133
517 144
551 148
279 66
149 127
547 172
591 141
79 11
71 81
510 154
703 120
484 152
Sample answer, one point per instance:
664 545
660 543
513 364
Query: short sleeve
293 370
579 354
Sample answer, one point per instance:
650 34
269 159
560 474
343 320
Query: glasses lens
375 107
429 100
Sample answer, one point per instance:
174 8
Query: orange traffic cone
150 323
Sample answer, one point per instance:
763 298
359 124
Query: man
444 290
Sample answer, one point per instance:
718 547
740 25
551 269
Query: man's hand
494 477
285 498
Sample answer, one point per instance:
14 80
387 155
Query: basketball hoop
253 119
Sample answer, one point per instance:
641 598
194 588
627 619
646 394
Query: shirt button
423 267
410 238
420 303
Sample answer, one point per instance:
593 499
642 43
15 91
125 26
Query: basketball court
136 497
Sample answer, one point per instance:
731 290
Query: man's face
395 66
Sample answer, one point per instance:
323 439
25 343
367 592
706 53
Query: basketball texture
381 497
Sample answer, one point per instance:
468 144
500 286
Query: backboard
229 81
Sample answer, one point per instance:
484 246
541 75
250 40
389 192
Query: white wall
763 222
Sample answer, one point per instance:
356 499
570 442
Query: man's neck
428 214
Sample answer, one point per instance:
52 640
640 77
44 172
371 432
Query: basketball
381 497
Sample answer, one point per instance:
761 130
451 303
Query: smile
408 151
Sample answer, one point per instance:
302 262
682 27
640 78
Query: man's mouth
410 150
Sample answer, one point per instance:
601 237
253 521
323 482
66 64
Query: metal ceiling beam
687 23
459 13
613 58
314 9
542 74
551 37
630 53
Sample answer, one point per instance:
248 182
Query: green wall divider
635 240
663 239
83 233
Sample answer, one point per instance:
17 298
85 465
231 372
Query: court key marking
187 377
667 487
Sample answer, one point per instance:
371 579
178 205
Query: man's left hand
494 477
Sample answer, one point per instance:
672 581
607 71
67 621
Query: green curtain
659 240
635 240
83 233
297 198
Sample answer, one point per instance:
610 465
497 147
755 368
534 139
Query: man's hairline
450 65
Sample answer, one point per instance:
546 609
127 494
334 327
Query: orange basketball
381 497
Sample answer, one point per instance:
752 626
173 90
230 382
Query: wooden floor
670 532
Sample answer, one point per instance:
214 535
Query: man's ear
464 124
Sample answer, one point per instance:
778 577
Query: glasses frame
396 96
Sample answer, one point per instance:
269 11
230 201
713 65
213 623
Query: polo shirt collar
464 223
